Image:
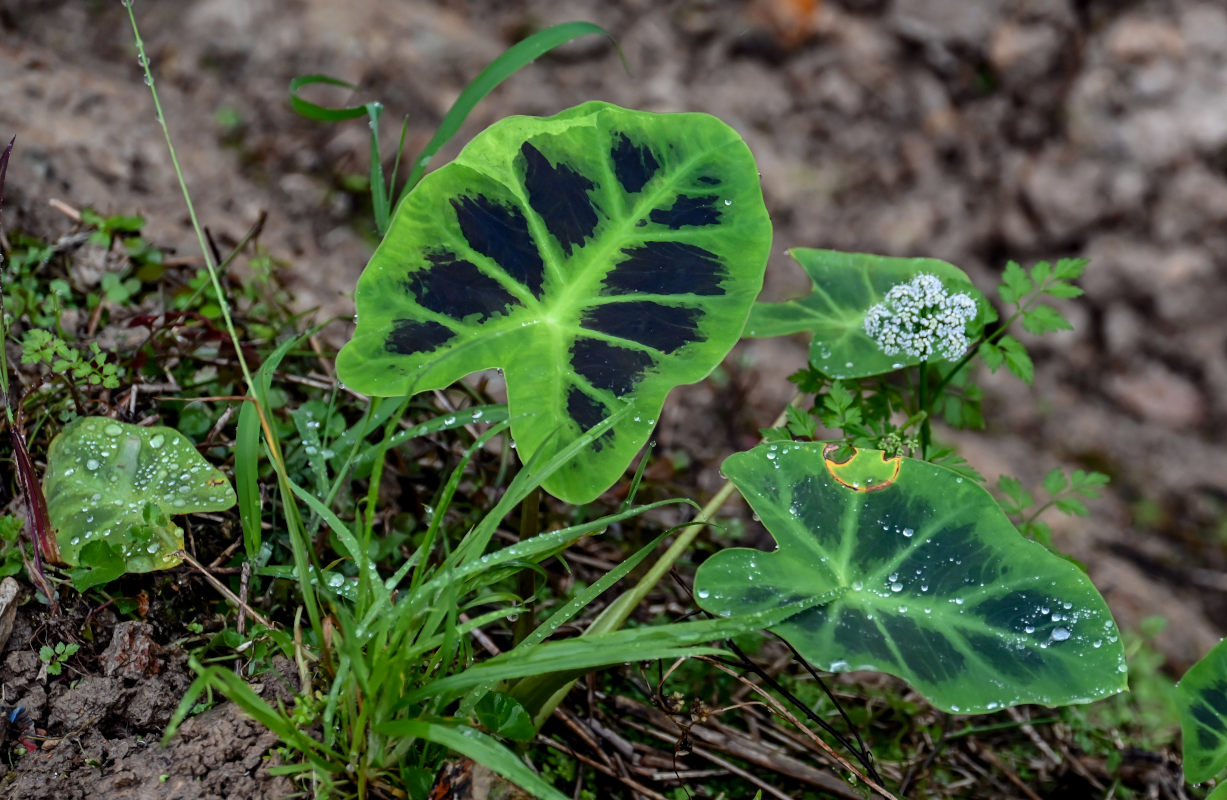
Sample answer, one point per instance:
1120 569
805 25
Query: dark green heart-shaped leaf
904 567
119 484
1202 698
846 287
502 714
600 257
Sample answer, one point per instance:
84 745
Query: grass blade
501 68
586 653
480 747
380 194
323 113
246 476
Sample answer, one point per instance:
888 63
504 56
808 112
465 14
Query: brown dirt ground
971 132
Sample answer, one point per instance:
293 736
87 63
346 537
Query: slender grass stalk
4 331
530 525
922 394
293 520
205 251
615 615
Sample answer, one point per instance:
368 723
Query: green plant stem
187 198
294 522
4 331
926 430
975 348
615 615
530 526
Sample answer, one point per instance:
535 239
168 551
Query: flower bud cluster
922 319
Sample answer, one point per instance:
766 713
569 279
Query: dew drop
113 430
908 533
896 587
1060 634
92 464
702 594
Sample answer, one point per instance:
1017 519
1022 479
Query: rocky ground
971 132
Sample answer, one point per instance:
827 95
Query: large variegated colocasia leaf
851 288
600 257
1202 698
112 488
904 567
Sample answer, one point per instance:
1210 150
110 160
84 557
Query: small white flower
922 319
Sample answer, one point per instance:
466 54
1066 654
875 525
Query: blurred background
974 132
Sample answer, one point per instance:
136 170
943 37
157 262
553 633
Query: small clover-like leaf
600 257
118 484
1201 697
908 568
851 312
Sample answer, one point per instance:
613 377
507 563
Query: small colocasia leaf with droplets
119 485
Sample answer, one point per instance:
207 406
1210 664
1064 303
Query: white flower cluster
920 318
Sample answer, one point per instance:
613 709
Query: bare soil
972 132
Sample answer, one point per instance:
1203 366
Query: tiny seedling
55 657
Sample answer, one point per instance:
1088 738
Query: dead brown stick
601 768
225 591
734 742
778 708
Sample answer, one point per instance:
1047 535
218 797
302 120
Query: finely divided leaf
905 567
600 257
